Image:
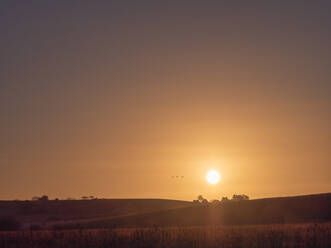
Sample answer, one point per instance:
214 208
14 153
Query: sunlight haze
140 100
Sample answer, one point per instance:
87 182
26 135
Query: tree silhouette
200 198
239 197
43 198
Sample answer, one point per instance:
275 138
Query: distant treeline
201 199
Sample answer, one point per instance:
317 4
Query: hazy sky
113 98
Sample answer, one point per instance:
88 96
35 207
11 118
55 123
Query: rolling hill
109 213
298 209
45 213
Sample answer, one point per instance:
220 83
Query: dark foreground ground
283 235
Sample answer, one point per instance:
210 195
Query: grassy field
267 236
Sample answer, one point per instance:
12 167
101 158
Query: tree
43 198
224 199
40 198
215 202
201 198
245 197
239 197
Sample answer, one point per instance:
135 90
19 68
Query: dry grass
268 236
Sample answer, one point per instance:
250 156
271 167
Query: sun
213 177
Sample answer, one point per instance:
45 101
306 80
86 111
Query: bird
177 177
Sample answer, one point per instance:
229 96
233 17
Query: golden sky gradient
113 99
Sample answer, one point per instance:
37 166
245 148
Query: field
300 222
284 235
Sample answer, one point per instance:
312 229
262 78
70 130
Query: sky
114 98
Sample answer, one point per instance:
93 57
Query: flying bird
177 177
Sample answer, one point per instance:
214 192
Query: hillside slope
53 211
308 208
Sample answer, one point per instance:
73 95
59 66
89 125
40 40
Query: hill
50 212
298 209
